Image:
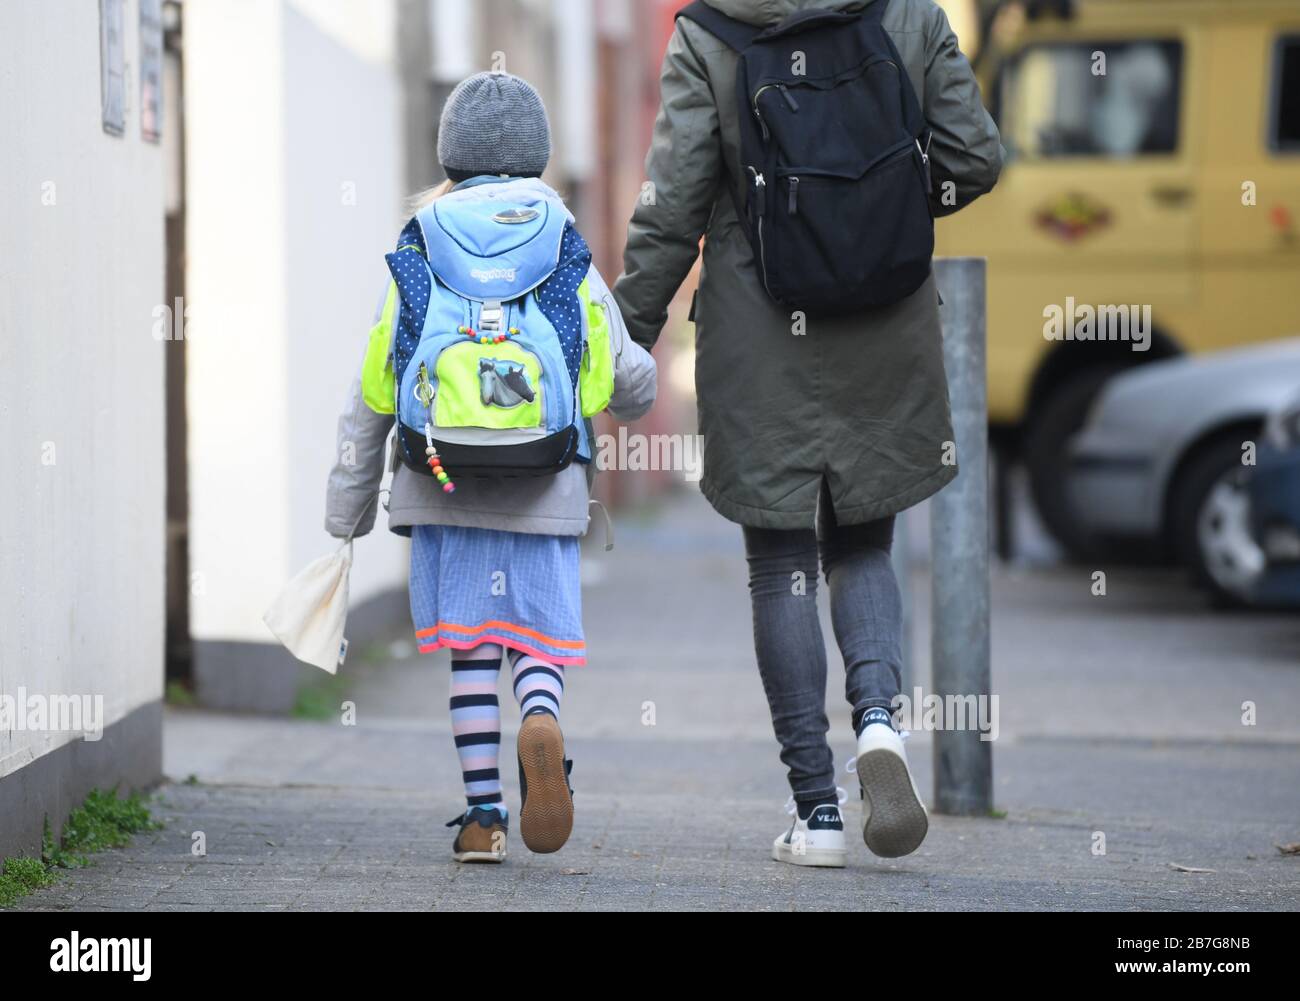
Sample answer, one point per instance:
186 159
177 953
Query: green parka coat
858 402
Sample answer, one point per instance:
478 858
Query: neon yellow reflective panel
596 380
488 386
377 387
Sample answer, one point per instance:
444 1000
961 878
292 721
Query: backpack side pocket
596 377
377 379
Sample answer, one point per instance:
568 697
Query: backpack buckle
491 318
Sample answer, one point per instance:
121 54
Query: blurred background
199 195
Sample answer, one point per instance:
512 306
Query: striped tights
476 711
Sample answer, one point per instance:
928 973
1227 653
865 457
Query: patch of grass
320 700
998 814
179 695
102 821
105 821
52 851
20 876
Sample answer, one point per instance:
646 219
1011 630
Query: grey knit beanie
494 123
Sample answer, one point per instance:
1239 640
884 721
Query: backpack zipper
760 200
785 93
760 191
792 103
789 98
762 125
879 160
792 180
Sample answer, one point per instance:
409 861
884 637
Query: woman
817 431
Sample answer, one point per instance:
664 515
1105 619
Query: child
494 558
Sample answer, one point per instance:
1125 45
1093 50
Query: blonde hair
428 196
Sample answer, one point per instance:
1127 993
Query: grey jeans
866 614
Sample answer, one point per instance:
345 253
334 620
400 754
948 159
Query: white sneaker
894 821
818 841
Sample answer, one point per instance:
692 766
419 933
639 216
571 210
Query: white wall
81 376
292 114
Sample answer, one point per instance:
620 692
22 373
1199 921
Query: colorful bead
449 488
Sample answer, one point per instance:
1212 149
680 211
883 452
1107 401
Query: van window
1104 99
1286 95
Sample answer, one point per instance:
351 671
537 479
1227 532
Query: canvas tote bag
309 615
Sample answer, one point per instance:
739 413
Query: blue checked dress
471 586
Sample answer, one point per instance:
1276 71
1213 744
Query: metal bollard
959 543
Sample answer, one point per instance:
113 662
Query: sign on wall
151 54
112 66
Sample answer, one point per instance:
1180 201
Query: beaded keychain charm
435 463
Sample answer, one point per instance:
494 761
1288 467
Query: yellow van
1150 204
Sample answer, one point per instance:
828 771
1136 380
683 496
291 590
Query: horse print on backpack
834 150
503 384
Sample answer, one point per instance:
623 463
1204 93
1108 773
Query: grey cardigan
546 505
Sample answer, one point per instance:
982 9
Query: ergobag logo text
835 158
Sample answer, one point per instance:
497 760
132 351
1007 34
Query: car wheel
1210 516
1048 430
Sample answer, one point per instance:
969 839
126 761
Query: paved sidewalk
669 840
1120 715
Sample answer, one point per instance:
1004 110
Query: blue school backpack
497 354
834 153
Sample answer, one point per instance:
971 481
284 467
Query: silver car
1166 450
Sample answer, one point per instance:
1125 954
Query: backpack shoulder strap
735 34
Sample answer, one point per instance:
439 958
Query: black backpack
836 169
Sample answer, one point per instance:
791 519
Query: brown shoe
482 836
546 815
